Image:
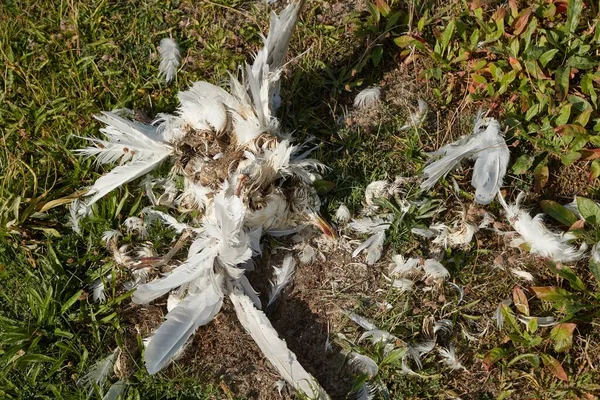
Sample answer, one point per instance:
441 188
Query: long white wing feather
259 327
194 311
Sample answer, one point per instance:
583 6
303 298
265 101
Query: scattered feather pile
241 175
535 235
486 147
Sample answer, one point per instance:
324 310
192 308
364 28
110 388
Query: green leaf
559 212
551 293
495 355
589 210
547 57
532 112
581 62
561 82
447 35
522 164
573 12
72 300
323 186
594 170
570 158
377 55
404 41
541 175
568 274
394 356
570 130
562 335
510 318
532 358
595 268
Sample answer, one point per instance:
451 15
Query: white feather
116 389
372 224
263 75
373 246
426 233
433 269
170 57
498 316
135 224
418 350
195 310
363 364
378 336
197 196
202 111
595 253
367 98
363 322
540 239
490 153
522 274
282 277
250 292
443 325
449 357
342 215
98 292
75 216
366 392
167 220
417 118
109 235
376 190
275 350
136 146
402 267
197 266
99 372
490 164
402 285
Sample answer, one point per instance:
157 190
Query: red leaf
577 225
521 21
589 154
554 366
520 300
570 129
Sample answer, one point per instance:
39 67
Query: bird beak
324 226
240 186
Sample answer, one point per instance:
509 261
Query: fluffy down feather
170 57
540 239
282 277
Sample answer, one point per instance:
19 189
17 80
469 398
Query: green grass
62 62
